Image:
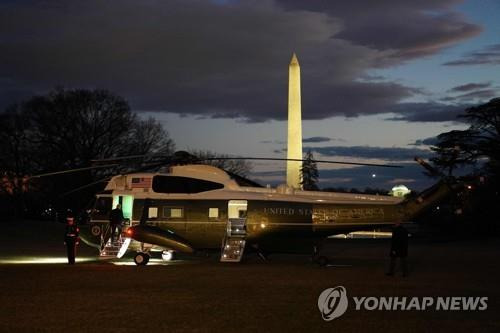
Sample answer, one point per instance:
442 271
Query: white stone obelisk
293 176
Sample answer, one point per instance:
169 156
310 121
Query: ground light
43 260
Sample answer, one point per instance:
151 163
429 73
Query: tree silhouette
309 172
239 167
480 143
454 149
15 159
67 129
478 146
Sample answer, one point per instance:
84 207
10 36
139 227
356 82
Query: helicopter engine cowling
160 237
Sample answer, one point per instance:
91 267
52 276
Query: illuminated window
213 213
176 212
153 212
173 212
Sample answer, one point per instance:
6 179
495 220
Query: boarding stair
233 244
109 249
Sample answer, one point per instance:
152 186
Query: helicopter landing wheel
168 255
141 258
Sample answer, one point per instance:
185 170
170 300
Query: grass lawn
205 295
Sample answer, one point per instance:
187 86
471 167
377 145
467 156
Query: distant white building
399 191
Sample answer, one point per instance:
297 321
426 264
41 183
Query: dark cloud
316 139
470 87
412 28
370 77
223 59
410 175
484 94
490 55
428 112
471 93
367 152
275 142
12 92
361 177
432 141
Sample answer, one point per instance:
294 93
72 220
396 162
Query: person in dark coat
71 238
115 221
399 249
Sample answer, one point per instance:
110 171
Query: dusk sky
380 79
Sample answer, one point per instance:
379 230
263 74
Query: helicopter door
233 244
237 217
127 202
119 247
237 209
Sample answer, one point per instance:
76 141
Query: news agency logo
333 302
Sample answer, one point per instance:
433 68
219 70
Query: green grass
279 295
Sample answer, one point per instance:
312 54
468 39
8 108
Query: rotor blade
149 166
297 160
85 186
129 157
73 170
108 178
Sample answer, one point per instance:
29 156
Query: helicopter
192 207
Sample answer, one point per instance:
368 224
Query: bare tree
239 167
68 129
480 142
14 144
148 136
454 148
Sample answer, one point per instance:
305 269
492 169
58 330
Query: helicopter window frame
183 185
167 212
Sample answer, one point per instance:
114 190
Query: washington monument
293 176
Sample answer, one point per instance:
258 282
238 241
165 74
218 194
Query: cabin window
174 184
213 213
176 212
173 212
153 212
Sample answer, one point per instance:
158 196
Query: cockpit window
175 184
102 208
